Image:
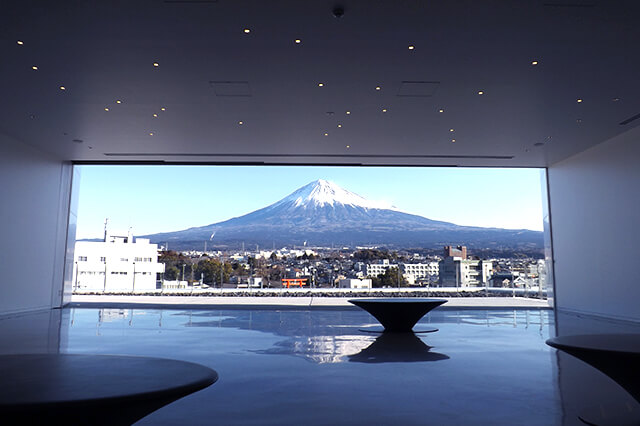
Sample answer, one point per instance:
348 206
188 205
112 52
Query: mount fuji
322 213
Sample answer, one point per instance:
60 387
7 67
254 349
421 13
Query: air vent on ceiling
198 155
189 1
630 119
231 88
420 89
569 4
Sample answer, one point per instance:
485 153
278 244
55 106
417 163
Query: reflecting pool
319 367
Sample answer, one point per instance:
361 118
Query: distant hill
322 213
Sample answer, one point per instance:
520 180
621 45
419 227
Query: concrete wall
34 194
595 218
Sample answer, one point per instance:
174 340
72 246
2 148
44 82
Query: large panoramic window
186 229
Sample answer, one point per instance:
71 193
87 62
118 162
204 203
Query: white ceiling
104 51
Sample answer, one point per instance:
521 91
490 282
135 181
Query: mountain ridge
323 213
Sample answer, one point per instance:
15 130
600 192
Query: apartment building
375 269
456 270
119 263
420 272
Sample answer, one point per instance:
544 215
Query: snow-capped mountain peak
321 193
323 213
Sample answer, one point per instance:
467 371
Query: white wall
34 194
71 236
595 219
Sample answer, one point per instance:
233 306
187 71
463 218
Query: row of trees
180 267
369 255
213 272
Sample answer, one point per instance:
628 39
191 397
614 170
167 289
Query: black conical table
92 389
617 356
398 314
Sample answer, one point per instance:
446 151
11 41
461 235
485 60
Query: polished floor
317 367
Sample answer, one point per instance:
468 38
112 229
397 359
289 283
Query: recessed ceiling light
377 87
63 88
348 146
384 110
615 99
480 92
440 110
155 115
20 42
298 41
106 109
320 84
451 130
579 101
339 125
348 113
534 63
34 68
150 133
453 140
326 134
240 123
411 47
163 109
118 101
155 64
247 30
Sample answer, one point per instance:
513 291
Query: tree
239 270
173 265
276 273
257 267
367 255
389 279
209 269
171 273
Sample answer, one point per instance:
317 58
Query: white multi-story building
375 269
117 264
415 272
456 270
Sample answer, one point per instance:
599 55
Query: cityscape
125 264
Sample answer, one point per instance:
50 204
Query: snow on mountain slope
322 193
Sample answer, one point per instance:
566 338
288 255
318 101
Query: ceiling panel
494 83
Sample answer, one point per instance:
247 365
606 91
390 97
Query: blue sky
154 199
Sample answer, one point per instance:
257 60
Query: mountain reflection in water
319 336
320 349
